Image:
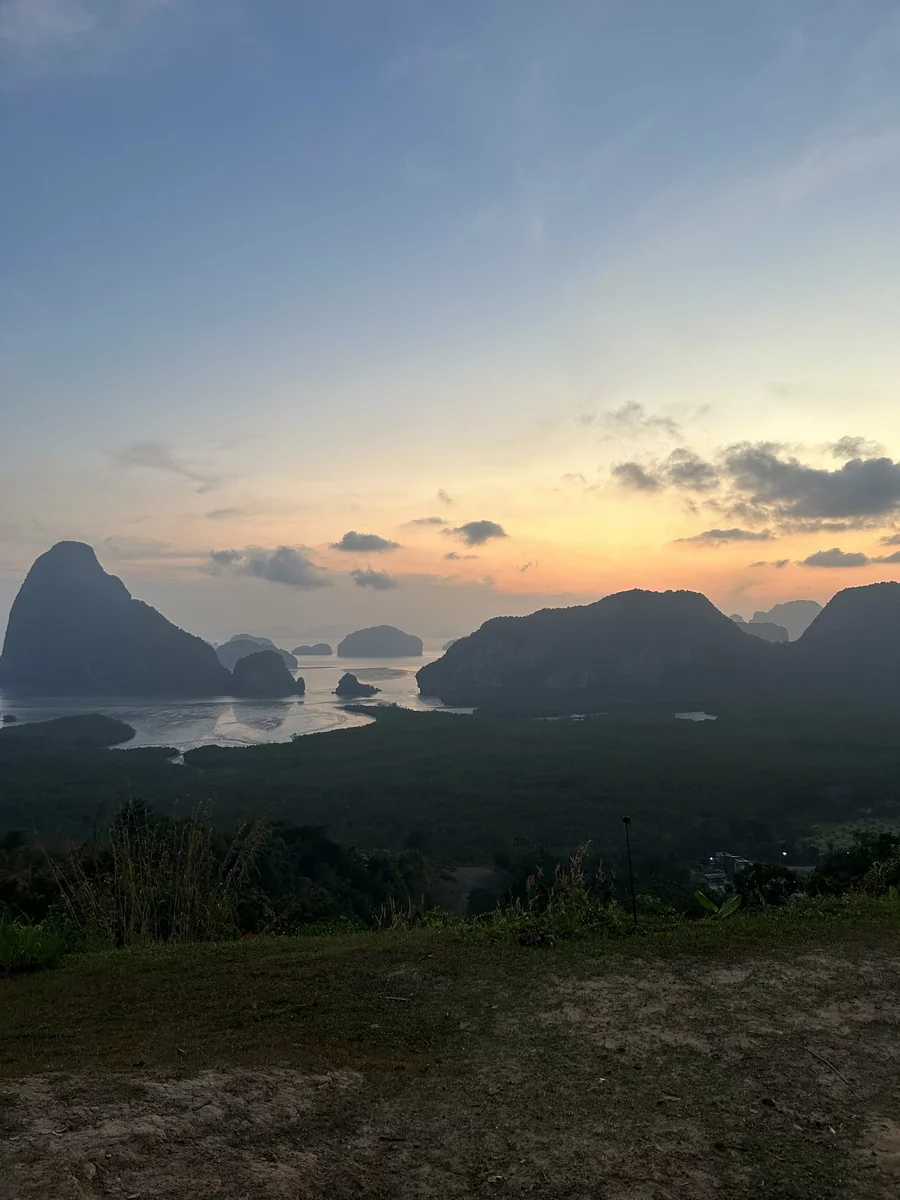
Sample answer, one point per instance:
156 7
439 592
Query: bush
25 947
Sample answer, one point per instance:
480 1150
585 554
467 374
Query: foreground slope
75 630
417 1066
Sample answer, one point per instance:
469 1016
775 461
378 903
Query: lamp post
626 821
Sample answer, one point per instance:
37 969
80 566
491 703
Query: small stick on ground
830 1066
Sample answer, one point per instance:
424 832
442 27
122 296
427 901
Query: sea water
226 721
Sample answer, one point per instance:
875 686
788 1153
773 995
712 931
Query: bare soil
763 1075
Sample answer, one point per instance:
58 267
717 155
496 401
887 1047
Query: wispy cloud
160 456
41 38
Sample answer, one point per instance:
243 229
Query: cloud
721 537
790 490
889 558
633 475
779 563
685 469
836 558
632 419
364 543
682 469
379 580
443 497
159 456
528 567
223 514
135 549
854 447
454 557
476 533
40 38
427 521
892 540
286 564
761 483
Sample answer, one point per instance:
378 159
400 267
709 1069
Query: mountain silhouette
793 615
75 630
381 641
853 645
632 645
264 674
674 646
231 652
766 630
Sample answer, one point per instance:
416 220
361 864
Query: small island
87 731
263 675
319 648
382 641
350 686
231 653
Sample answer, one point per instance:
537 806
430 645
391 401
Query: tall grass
158 881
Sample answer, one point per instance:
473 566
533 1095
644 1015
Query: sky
321 316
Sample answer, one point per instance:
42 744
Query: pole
626 821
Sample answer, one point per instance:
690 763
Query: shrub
30 947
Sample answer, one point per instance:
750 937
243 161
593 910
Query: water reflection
265 716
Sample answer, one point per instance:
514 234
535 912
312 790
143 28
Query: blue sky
302 266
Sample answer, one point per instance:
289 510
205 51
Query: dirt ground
759 1076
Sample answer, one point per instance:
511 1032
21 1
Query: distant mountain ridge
381 641
75 630
642 645
231 652
793 615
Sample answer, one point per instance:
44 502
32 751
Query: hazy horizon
339 316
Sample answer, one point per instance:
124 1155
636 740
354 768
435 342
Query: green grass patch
30 947
395 1001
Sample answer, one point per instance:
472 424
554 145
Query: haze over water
228 721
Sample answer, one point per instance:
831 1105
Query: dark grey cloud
159 456
721 537
427 521
891 540
454 557
790 490
286 564
633 475
444 497
379 580
855 447
682 469
685 469
762 483
476 533
778 562
364 543
836 558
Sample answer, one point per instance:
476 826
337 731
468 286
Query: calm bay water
225 721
